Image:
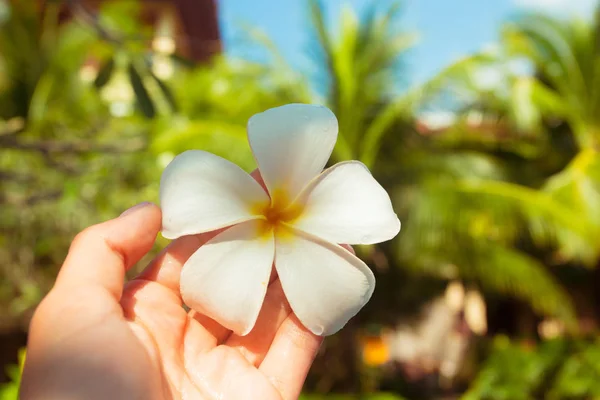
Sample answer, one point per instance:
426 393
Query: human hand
94 337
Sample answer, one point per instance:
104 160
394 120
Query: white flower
296 226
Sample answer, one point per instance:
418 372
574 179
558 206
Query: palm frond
472 238
578 186
551 39
565 56
503 270
360 64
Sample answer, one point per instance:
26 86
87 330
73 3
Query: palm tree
360 68
534 141
566 88
471 198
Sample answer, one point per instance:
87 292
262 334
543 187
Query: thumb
101 254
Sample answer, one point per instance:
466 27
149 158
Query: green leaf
166 91
141 93
105 73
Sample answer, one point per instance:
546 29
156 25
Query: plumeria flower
295 224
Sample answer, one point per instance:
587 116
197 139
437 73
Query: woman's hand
94 337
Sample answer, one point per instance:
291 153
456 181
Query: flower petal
201 192
291 145
345 204
324 283
227 278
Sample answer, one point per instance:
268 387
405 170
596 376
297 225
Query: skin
94 337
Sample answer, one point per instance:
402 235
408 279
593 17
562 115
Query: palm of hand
139 342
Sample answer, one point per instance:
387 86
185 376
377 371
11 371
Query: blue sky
447 29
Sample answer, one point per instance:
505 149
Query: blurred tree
77 142
446 229
57 136
566 58
360 69
479 195
521 191
465 211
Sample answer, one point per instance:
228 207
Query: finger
202 333
274 311
101 254
165 269
291 354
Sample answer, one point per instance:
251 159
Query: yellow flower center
277 211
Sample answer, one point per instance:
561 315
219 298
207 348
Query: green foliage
53 157
82 150
359 67
457 230
556 369
10 390
216 103
566 58
533 202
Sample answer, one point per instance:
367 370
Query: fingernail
135 208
